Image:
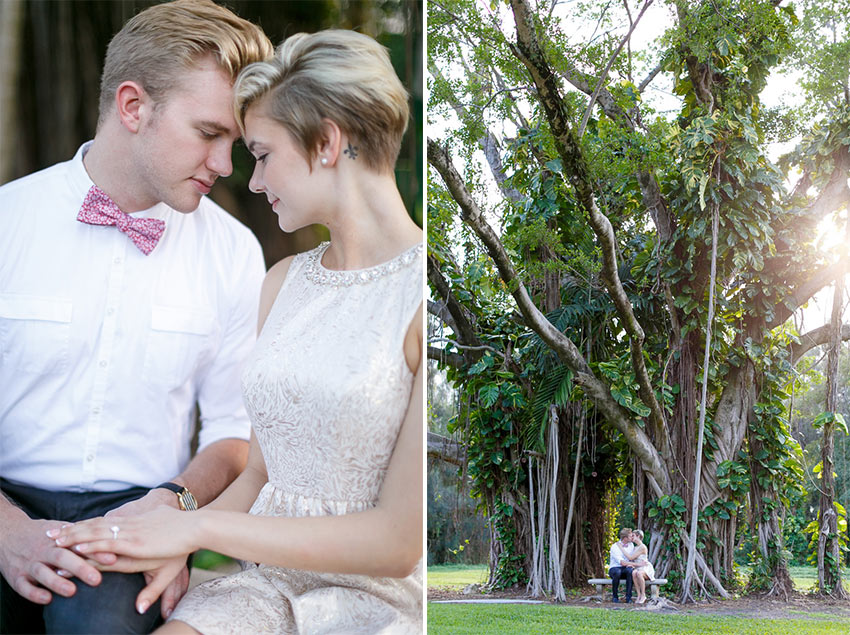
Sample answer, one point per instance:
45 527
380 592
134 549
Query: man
126 298
619 565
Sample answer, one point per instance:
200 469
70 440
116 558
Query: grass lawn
495 619
456 576
513 618
804 577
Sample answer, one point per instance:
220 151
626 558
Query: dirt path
752 606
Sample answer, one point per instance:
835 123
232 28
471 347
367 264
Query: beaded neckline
317 273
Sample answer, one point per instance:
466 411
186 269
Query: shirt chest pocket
179 342
35 333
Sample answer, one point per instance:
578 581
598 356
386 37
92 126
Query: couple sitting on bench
629 562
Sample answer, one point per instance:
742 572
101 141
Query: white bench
652 584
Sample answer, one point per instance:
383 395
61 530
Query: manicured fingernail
168 613
65 525
142 607
92 578
61 541
52 533
81 547
63 573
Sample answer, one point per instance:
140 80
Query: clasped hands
149 542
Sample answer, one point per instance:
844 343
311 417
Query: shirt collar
78 178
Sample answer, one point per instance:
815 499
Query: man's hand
150 501
177 588
34 566
170 596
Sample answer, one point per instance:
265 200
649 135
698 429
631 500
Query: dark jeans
621 573
109 607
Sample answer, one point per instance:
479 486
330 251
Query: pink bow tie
99 209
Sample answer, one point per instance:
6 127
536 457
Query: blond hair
340 75
625 531
158 44
638 533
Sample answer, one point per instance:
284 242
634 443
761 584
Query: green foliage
709 156
827 418
813 529
733 475
822 44
669 510
509 566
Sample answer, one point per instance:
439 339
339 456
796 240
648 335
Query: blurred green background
51 55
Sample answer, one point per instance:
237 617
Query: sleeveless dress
326 388
648 568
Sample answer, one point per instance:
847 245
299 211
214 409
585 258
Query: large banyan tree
613 286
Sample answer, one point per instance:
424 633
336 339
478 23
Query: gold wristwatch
185 499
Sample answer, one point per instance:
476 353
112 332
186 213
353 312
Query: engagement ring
115 529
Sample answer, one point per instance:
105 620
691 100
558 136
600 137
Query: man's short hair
340 75
624 532
160 43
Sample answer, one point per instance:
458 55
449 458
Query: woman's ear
330 143
132 104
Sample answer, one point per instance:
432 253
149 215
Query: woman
332 488
645 571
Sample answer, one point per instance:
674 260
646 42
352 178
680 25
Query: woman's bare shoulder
271 287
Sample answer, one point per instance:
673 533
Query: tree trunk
829 558
767 527
11 21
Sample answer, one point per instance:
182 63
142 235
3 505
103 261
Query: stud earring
324 161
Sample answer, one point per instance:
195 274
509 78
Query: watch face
187 500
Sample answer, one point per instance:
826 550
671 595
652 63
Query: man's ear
330 143
133 105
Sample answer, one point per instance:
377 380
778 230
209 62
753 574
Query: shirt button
103 364
90 458
95 410
110 311
117 261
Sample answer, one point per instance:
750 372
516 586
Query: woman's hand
163 533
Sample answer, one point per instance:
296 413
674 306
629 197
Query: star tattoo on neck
351 151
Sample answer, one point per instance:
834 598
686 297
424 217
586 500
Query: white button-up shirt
104 352
619 553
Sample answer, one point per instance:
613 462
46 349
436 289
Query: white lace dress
326 388
647 566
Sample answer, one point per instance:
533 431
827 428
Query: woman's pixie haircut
335 74
160 43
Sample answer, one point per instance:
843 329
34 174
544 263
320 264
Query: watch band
185 499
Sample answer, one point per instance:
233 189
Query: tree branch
652 75
566 143
439 310
554 338
814 338
487 141
650 191
607 68
804 292
455 360
463 319
835 193
483 347
445 449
